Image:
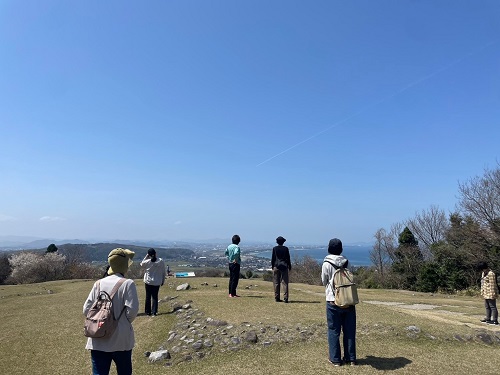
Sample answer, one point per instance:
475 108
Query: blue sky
202 119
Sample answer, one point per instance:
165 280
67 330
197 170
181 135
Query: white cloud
51 218
178 222
7 218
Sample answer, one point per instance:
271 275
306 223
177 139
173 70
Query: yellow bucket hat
120 260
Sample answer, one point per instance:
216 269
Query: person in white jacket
118 347
154 277
339 319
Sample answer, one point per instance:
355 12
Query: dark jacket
281 258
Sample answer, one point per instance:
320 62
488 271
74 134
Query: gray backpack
100 321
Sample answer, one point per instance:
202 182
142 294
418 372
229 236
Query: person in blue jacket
233 255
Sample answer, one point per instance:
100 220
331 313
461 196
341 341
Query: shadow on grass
381 363
291 301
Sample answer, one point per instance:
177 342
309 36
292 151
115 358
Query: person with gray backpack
110 308
340 316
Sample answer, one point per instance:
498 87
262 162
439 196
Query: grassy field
41 331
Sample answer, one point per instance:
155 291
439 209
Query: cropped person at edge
489 291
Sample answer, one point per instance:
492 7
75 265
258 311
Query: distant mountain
98 252
25 243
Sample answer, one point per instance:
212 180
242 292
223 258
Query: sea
357 255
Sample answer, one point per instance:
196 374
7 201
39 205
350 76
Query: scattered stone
251 337
172 336
413 329
485 338
235 340
184 286
197 345
159 355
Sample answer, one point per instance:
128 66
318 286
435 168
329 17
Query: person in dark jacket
280 263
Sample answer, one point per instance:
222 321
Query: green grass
41 332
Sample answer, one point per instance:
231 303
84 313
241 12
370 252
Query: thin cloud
7 218
391 96
51 218
178 222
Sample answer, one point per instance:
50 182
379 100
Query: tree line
433 251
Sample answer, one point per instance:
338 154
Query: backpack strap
338 268
113 292
335 268
333 265
116 287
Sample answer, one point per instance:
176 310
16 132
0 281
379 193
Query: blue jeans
491 309
101 362
341 319
151 294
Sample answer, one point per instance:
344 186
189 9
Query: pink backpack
100 321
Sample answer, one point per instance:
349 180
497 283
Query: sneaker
235 295
336 364
231 296
494 322
286 300
484 320
278 300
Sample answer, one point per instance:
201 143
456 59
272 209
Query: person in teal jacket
234 258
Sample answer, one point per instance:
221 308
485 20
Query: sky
195 119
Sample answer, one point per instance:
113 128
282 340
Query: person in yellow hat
118 347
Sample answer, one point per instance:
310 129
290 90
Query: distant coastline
357 255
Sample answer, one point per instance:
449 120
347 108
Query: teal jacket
233 254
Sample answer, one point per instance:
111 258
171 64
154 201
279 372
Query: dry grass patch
41 333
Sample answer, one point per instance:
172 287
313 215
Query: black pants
151 294
280 277
234 277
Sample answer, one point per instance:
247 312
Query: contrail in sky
399 92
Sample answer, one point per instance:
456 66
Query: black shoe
494 322
484 320
278 300
286 300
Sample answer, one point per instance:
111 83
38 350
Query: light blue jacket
233 254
